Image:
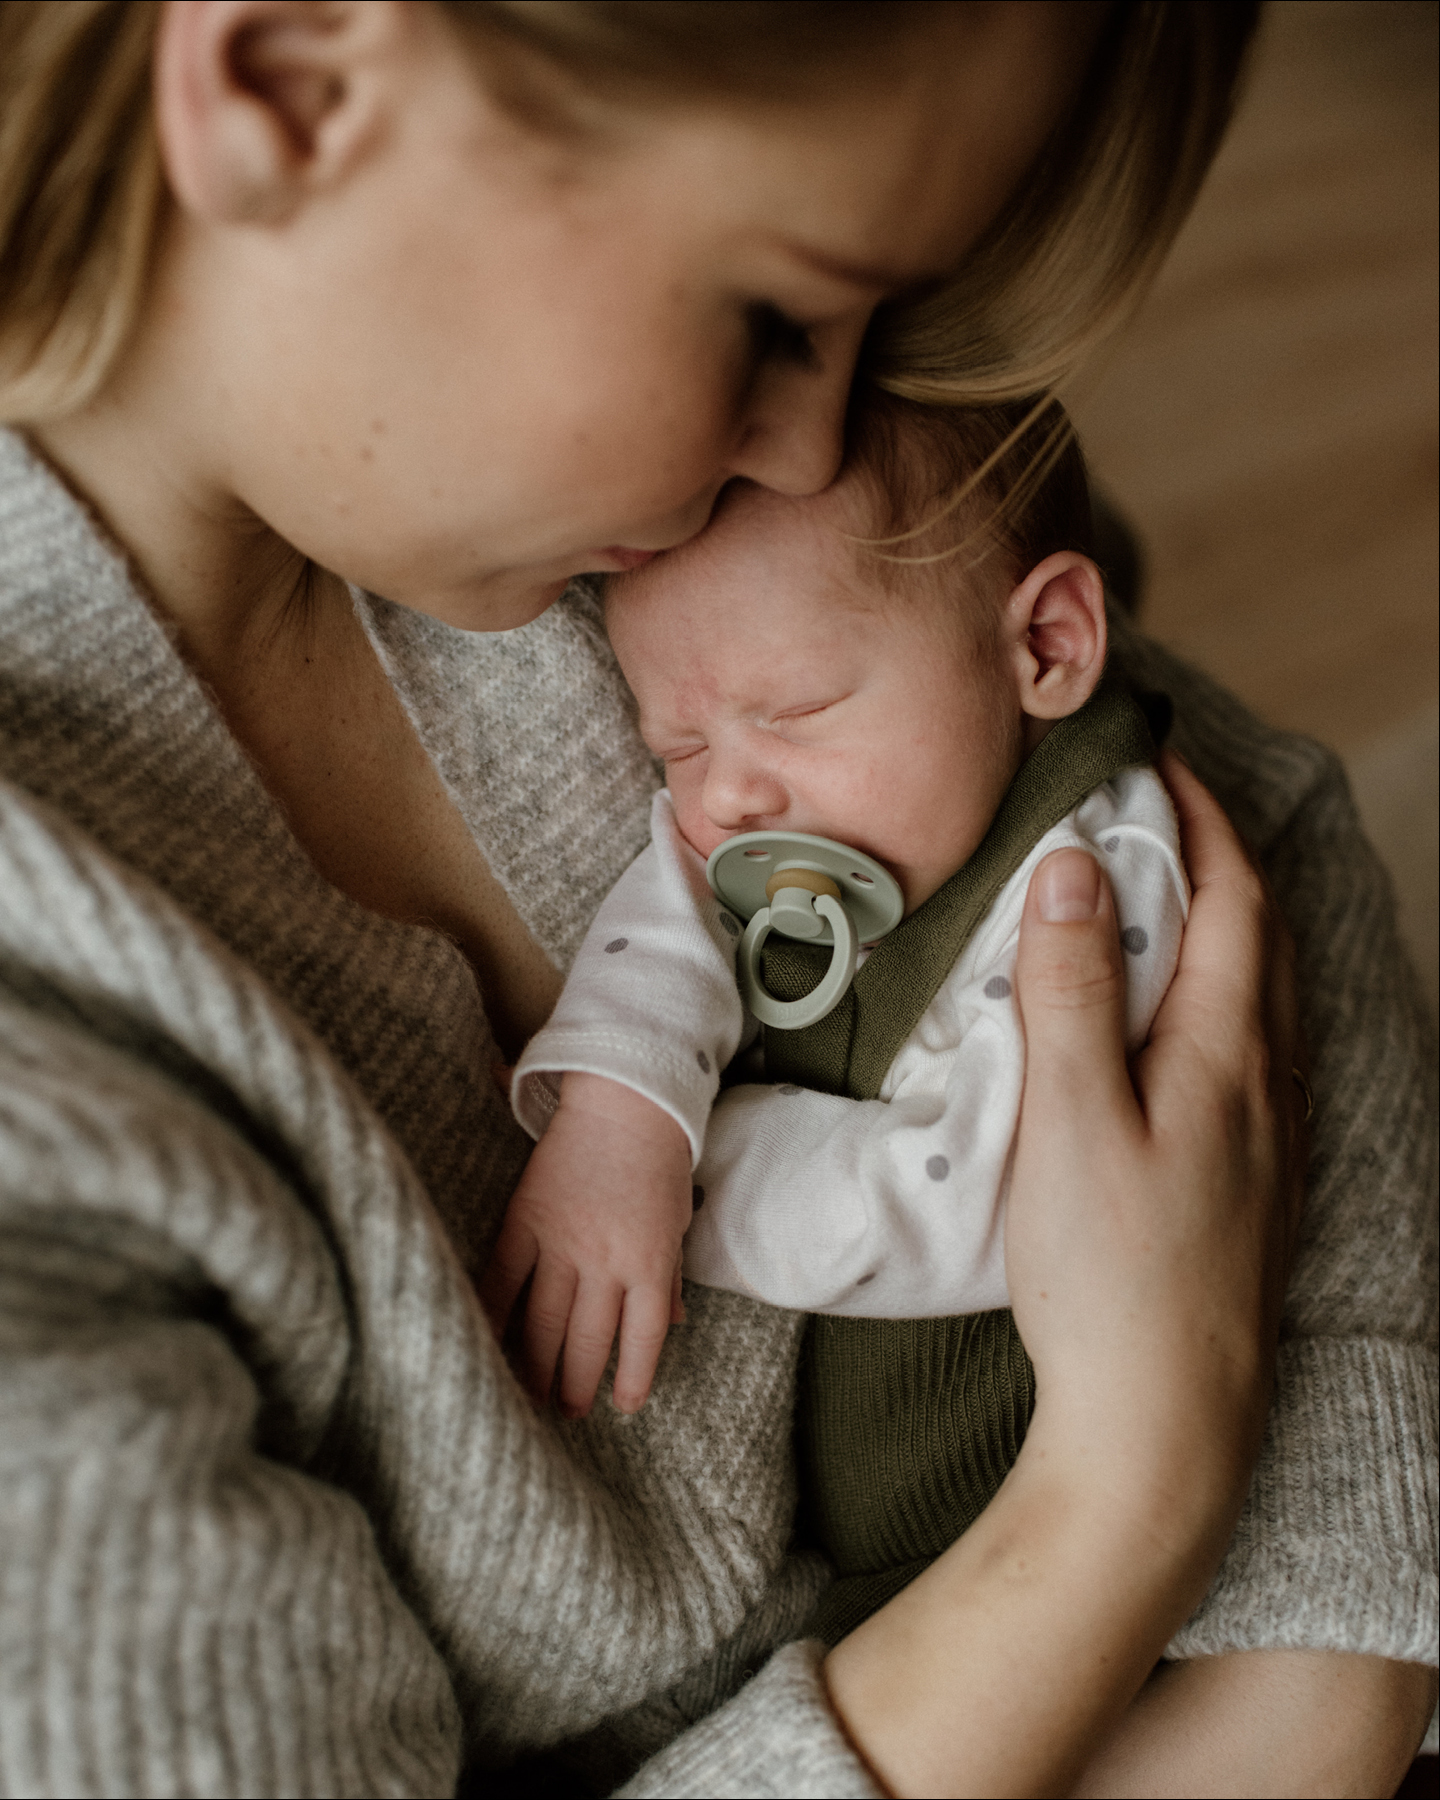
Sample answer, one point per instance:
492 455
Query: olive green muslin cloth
906 1427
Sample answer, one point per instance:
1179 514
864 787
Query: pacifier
810 888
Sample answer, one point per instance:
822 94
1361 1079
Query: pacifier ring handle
791 1015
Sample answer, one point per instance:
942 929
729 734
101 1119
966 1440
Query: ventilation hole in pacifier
758 855
864 880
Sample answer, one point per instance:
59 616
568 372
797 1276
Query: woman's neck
141 458
288 662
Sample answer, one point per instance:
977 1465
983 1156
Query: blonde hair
80 195
1007 479
82 191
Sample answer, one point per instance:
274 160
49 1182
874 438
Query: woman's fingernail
1067 887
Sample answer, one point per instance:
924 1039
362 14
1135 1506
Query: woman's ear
260 103
1055 627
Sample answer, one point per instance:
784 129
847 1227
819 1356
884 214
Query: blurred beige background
1268 422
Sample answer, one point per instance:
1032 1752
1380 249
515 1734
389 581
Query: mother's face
459 355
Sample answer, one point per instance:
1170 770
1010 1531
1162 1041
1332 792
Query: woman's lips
627 559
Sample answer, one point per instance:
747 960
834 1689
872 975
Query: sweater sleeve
651 1000
786 1710
1336 1547
185 1609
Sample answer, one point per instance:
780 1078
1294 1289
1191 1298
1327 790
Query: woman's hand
1151 1217
1154 1209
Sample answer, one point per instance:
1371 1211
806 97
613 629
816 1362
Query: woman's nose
793 432
741 792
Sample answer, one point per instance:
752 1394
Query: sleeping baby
910 666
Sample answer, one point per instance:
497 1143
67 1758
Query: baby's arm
595 1228
651 1002
893 1207
620 1083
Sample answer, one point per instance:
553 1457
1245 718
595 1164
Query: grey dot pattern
704 1062
1112 843
615 945
1135 939
789 1087
937 1167
697 1197
997 988
729 926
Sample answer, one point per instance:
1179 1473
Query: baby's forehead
821 553
839 533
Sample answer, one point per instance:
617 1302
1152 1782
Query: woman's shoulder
1263 776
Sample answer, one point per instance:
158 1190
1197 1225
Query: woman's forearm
1146 1242
1263 1722
1010 1661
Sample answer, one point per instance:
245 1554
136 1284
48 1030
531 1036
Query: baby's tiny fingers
508 1270
547 1314
593 1319
677 1299
643 1324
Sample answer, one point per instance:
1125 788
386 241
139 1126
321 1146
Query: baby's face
786 689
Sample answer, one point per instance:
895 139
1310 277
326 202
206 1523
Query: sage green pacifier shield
839 896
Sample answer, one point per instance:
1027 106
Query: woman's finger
1227 1037
1233 1001
1071 988
547 1314
509 1268
1224 985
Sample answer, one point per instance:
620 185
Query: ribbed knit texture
907 1427
274 1518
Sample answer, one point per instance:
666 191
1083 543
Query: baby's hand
596 1221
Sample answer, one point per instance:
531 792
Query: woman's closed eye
776 337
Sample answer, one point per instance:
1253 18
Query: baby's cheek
687 792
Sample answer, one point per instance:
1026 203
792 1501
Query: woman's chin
500 603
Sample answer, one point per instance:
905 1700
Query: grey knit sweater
274 1518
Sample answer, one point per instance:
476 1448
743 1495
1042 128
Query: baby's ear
1055 629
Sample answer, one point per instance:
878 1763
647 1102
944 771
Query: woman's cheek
671 429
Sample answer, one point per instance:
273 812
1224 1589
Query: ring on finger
1305 1094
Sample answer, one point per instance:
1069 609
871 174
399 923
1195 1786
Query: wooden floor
1269 420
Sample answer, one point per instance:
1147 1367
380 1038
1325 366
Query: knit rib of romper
907 1427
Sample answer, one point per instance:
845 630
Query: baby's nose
742 795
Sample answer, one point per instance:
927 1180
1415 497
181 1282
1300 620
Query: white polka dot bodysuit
886 1208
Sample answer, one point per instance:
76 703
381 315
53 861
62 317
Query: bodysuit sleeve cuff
651 1000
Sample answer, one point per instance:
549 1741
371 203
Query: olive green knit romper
906 1427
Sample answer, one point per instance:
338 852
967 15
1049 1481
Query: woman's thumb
1071 987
